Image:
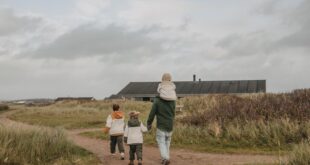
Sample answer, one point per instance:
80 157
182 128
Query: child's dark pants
135 149
116 140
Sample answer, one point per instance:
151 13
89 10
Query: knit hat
166 77
134 113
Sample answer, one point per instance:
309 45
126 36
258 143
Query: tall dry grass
73 114
271 136
24 145
270 121
265 107
300 154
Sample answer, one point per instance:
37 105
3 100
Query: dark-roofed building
148 90
80 99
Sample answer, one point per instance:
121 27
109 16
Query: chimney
194 77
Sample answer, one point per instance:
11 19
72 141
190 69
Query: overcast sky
95 47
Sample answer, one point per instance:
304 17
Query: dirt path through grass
151 154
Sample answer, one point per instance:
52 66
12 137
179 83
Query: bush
227 108
300 155
269 121
4 107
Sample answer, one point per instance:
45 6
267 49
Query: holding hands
149 127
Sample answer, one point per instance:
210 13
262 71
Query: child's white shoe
122 156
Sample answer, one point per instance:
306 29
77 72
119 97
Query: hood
133 123
117 115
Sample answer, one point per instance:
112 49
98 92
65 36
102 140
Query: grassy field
24 145
274 121
72 115
258 123
261 123
201 140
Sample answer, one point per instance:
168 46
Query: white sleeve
158 88
126 131
109 121
143 128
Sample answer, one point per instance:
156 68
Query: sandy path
178 156
151 154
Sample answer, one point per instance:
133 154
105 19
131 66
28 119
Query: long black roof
141 89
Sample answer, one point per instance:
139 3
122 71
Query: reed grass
300 154
25 145
267 107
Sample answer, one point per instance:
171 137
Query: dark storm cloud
12 23
110 42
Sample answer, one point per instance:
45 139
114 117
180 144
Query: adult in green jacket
164 111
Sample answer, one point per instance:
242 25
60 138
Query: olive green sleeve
152 113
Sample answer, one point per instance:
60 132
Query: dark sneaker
165 162
131 163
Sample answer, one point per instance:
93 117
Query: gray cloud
278 53
300 17
12 23
110 42
268 8
269 40
96 60
247 44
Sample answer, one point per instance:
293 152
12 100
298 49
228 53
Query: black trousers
116 140
135 149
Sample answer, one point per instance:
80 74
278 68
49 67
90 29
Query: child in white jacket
134 138
115 126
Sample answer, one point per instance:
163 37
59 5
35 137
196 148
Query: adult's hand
149 127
